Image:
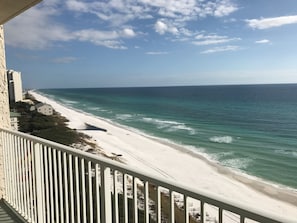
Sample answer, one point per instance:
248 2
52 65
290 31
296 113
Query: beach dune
170 161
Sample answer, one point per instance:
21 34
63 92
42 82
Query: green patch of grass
53 127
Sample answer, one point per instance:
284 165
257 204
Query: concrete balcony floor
7 215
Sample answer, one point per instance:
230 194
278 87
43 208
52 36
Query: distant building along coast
43 108
15 88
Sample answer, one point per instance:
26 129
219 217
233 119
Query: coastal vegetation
51 127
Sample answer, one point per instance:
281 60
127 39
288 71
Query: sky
127 43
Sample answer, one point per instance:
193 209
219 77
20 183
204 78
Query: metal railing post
106 195
30 161
40 202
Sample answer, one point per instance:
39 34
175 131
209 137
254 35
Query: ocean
248 128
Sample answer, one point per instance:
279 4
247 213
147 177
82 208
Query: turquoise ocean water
250 128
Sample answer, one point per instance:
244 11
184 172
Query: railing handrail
233 206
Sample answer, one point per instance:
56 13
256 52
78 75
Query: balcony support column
4 104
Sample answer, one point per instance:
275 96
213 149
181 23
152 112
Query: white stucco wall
4 104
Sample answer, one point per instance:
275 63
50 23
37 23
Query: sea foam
68 102
124 116
221 139
237 163
286 152
169 126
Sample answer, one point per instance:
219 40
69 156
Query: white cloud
163 27
40 29
191 9
114 12
212 39
172 8
77 6
110 39
34 29
216 8
156 53
177 13
128 32
263 41
266 23
92 34
224 8
221 49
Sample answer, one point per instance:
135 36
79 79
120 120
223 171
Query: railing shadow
7 215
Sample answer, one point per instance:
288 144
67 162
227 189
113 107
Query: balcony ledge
11 8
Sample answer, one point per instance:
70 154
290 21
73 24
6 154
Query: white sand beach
181 165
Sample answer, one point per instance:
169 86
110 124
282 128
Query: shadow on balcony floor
6 215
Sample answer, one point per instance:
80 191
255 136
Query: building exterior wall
15 88
4 104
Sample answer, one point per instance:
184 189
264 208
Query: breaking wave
286 152
124 116
68 102
169 126
221 139
223 155
237 163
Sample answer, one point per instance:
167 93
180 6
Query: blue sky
123 43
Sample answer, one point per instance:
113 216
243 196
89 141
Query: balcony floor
6 215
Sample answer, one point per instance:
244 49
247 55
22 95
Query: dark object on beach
92 127
93 151
116 155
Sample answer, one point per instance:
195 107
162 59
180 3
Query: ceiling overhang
12 8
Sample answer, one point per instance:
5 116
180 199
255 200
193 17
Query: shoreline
278 191
160 157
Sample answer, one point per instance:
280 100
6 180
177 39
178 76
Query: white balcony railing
49 182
